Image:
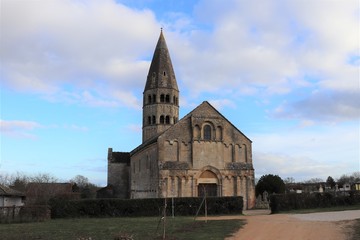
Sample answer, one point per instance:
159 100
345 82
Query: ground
326 225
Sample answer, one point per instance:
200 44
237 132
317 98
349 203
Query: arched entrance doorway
208 183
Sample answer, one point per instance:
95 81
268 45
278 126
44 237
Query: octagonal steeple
161 93
161 73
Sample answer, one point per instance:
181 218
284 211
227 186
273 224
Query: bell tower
161 93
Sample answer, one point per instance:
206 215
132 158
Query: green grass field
107 228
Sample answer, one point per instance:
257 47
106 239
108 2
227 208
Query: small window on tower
164 73
154 98
167 120
162 119
167 98
162 98
149 120
149 99
153 120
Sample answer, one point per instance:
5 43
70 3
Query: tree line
20 181
275 184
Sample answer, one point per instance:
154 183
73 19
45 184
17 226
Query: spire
161 94
161 73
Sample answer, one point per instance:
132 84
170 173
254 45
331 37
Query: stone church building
202 152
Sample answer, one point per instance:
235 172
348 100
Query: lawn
107 228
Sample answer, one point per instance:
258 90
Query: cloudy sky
286 73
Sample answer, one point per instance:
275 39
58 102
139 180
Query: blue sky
286 73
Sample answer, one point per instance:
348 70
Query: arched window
154 98
167 98
174 100
219 133
162 119
153 120
149 120
162 98
149 99
197 132
207 132
167 119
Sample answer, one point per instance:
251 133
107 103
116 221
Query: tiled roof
121 157
5 191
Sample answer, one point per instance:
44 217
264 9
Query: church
202 153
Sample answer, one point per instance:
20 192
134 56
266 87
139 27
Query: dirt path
330 226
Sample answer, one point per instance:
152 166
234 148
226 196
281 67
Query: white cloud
76 128
331 107
46 45
103 48
303 153
19 129
273 48
221 103
26 129
299 167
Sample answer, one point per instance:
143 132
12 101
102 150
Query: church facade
202 153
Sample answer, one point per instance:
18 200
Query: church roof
146 143
161 73
121 157
211 106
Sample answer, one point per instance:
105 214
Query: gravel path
329 216
311 226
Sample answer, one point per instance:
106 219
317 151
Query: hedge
32 213
62 208
294 201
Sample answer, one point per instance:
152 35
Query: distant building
10 197
357 186
202 152
347 187
307 187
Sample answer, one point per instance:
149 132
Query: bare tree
43 178
289 180
5 179
84 187
80 181
314 180
355 177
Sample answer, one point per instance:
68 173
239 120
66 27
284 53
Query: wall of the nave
144 173
118 177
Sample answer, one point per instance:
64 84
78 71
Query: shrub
32 213
62 208
270 183
294 201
